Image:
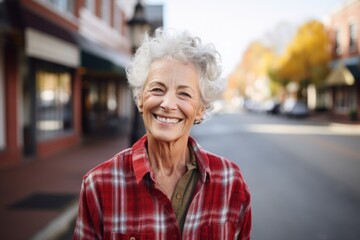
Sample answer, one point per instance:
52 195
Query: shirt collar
201 159
142 166
140 159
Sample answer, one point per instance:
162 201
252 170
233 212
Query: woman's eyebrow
185 87
154 83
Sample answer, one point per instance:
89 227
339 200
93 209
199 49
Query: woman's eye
185 94
157 90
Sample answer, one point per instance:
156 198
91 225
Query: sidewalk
333 119
38 199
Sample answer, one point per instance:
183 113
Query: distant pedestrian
166 186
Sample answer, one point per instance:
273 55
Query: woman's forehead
169 68
173 72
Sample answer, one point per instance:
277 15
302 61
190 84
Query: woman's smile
167 120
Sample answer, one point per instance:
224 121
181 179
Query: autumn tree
255 63
306 58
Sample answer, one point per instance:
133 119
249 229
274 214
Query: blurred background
289 117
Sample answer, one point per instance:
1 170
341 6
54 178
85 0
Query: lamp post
138 26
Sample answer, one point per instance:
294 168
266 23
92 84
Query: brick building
341 91
62 74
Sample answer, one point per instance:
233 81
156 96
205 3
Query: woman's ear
200 113
140 104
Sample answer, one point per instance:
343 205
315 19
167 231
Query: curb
59 225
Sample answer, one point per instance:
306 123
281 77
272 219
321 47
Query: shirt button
132 238
178 195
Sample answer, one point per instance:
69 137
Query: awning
98 58
93 57
47 47
342 75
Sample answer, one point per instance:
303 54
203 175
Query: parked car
272 107
253 106
294 108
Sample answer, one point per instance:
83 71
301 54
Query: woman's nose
169 102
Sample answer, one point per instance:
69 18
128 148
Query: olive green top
184 190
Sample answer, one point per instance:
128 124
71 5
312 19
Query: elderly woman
166 186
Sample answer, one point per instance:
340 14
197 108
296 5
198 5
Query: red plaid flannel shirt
118 200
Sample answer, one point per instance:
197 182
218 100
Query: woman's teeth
167 120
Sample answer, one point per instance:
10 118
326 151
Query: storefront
106 99
51 94
56 87
340 93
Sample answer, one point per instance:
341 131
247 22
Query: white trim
47 47
95 29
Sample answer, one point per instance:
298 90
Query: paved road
304 176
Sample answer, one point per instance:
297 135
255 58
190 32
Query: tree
255 63
306 58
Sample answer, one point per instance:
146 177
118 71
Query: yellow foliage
307 56
255 62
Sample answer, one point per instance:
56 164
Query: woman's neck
168 158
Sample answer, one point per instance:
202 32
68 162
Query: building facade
341 90
62 74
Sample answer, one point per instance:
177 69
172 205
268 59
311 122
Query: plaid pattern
118 200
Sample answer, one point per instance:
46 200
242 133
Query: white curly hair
184 47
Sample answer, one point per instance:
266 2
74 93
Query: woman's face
171 99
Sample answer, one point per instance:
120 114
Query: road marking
304 130
332 129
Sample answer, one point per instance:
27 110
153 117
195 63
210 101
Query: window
117 18
345 99
105 11
64 6
53 103
61 5
353 37
324 99
338 49
90 5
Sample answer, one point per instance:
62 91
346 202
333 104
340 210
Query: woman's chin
166 136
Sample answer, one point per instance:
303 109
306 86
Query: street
303 175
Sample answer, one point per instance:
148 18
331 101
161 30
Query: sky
232 24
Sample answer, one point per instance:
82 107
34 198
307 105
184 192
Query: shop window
324 100
54 104
111 98
345 100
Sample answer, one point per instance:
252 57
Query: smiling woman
171 100
166 186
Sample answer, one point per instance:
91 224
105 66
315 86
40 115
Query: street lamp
138 26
